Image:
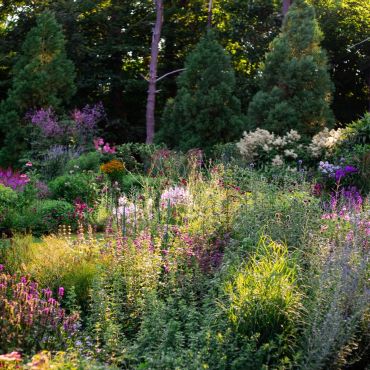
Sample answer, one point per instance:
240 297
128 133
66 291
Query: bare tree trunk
150 106
210 14
286 5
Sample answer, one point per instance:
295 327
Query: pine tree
205 110
43 77
295 84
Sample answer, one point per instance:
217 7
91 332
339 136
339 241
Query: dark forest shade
43 77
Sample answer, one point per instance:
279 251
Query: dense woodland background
109 44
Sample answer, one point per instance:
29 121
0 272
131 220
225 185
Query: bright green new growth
205 110
295 86
264 297
43 77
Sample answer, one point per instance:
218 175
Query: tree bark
210 14
150 106
286 5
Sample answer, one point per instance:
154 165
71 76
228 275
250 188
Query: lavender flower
46 121
13 180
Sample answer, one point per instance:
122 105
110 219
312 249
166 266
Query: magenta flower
61 292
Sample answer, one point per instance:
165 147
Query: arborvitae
295 85
205 110
43 77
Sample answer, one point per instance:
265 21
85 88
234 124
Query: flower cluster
30 315
175 195
328 169
336 172
128 211
103 147
261 143
324 141
113 167
81 209
13 179
89 116
45 119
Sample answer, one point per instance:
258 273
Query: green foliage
346 26
73 187
263 296
43 77
44 217
354 147
8 199
137 157
205 109
295 84
85 162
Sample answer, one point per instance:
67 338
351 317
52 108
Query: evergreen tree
205 110
295 85
43 77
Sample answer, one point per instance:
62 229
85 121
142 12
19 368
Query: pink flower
29 164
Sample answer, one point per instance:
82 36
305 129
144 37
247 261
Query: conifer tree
295 84
205 110
43 77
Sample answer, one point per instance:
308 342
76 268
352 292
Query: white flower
277 161
175 195
325 140
292 135
290 153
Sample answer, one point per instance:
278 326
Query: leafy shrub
8 199
136 156
73 187
52 162
354 149
44 217
85 162
31 318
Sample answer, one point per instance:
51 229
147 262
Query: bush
73 187
137 157
354 148
86 162
44 217
8 199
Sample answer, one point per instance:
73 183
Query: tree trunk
210 14
150 106
286 5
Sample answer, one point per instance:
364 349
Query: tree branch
170 73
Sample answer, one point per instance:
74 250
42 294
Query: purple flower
339 174
46 121
1 267
350 169
61 292
13 180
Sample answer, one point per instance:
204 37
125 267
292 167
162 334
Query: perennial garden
239 239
